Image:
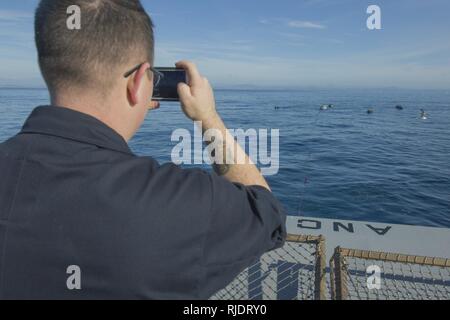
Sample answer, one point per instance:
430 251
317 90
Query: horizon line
268 88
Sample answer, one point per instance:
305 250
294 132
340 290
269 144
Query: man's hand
154 105
196 97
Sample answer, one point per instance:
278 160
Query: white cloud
178 50
305 24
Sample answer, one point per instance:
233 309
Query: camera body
166 89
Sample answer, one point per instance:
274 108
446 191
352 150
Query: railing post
338 276
320 285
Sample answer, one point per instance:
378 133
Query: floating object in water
326 107
277 108
423 114
369 111
398 107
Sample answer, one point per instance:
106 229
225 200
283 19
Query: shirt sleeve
245 222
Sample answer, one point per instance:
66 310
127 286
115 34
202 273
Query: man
82 217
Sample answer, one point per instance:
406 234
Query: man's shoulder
187 180
146 173
148 164
14 147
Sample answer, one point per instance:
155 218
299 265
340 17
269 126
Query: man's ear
135 83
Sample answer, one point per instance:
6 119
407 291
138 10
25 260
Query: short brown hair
113 33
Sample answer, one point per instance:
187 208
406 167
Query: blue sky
284 43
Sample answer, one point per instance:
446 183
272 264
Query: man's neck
100 111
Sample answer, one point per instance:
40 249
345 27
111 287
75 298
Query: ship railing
366 275
296 271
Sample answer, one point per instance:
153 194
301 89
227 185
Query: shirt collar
70 124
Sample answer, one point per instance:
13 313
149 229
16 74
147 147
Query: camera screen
166 89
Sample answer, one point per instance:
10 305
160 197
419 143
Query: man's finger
191 70
184 91
154 105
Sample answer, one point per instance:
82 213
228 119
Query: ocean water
389 166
